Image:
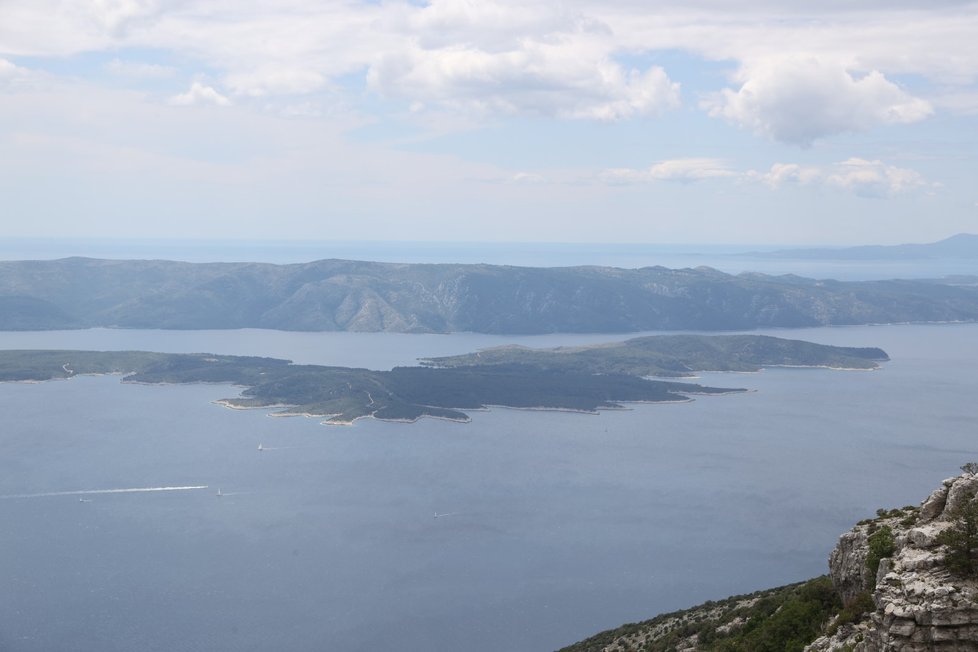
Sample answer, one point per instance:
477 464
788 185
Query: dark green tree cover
584 378
881 545
674 355
344 394
855 610
791 625
778 620
961 539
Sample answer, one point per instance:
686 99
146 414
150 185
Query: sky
705 121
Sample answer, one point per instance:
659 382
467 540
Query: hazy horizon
624 134
460 121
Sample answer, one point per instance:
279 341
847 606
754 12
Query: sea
145 517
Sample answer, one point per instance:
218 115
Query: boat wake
437 515
223 494
95 492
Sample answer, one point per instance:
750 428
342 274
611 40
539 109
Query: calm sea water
555 525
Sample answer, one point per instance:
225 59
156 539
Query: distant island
961 246
342 295
585 379
673 355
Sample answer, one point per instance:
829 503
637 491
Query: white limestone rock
920 606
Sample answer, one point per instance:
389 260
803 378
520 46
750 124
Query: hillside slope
338 295
905 581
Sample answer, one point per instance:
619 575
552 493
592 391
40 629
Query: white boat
219 494
260 449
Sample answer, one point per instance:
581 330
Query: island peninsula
585 379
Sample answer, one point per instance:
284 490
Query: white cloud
527 178
856 175
139 69
860 176
565 78
513 57
690 169
798 100
10 71
275 80
622 176
115 15
542 58
61 27
199 94
14 77
873 178
782 173
491 56
931 39
302 110
684 170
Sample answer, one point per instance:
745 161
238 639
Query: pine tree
961 540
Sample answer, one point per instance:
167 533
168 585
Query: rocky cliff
917 604
898 583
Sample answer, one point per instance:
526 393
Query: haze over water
147 518
558 524
732 259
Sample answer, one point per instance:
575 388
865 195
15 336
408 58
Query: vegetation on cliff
961 539
784 619
905 580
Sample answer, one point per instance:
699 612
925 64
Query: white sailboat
260 448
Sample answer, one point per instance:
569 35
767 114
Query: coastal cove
551 525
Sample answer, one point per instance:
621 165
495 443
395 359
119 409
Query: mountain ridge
341 295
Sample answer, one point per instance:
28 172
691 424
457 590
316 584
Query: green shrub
881 545
961 539
788 627
854 610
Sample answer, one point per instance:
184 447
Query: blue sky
577 121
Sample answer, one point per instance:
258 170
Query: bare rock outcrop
919 605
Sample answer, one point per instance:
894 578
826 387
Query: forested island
673 356
585 379
343 295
